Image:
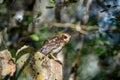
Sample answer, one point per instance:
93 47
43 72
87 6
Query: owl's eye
64 37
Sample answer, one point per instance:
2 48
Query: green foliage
27 21
100 46
115 52
0 6
52 1
100 50
34 37
107 42
42 36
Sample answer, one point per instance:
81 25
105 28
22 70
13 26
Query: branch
84 29
80 28
38 67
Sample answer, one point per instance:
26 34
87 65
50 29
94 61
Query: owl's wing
49 47
45 49
51 44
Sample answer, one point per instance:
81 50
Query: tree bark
0 69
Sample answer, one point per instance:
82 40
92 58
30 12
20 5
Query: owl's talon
51 54
54 58
59 62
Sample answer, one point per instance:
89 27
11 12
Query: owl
55 43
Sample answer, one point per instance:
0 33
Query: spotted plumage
55 43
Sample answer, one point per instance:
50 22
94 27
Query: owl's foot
55 58
59 62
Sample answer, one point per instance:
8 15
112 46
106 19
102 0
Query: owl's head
66 37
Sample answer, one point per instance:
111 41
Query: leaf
34 37
29 19
23 50
25 23
114 52
52 1
100 50
107 42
